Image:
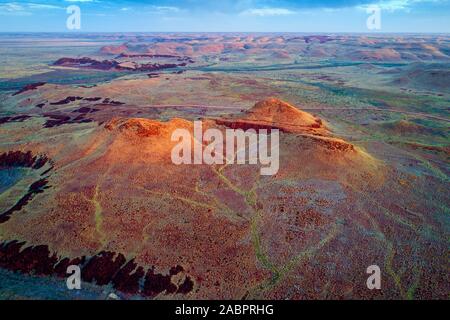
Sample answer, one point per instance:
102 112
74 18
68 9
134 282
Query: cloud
24 9
152 9
267 12
163 9
42 6
13 9
319 4
395 5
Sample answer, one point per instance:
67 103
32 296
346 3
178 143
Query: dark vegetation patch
71 99
86 110
33 259
186 286
128 278
20 118
93 99
66 101
112 102
56 120
157 283
24 160
102 269
29 87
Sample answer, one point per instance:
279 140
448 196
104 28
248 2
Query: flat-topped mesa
276 114
268 114
108 65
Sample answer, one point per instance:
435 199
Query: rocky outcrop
88 63
276 114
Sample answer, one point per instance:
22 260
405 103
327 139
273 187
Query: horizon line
213 32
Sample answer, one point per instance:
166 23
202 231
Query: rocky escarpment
88 63
276 114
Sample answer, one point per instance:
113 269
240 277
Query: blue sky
226 15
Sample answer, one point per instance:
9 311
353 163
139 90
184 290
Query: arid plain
87 177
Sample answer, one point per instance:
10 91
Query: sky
413 16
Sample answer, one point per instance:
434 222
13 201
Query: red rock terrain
122 210
273 113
